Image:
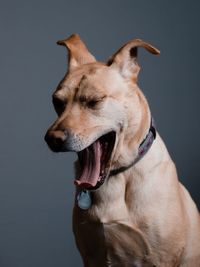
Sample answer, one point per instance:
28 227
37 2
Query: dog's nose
56 140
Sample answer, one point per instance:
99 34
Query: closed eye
91 103
59 105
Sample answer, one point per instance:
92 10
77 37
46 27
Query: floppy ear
125 59
78 52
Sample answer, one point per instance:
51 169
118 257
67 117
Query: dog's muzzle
94 156
64 140
56 140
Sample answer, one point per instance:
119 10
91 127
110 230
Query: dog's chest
106 236
111 244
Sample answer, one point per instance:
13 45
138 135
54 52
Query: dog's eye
59 105
92 103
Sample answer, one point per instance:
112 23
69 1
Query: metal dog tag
84 200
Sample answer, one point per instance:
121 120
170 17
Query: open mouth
95 162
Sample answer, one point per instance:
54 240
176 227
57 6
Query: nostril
55 139
58 141
59 135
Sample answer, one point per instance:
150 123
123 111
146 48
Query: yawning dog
130 209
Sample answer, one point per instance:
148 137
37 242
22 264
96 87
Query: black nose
56 140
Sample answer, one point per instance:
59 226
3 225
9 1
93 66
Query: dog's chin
95 161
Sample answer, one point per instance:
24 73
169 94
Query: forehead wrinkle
83 78
67 86
72 83
77 88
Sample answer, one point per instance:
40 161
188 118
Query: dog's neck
126 190
144 147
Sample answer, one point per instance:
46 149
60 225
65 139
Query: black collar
143 149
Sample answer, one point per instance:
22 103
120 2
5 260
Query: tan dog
130 209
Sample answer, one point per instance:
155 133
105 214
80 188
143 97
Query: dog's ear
78 52
125 59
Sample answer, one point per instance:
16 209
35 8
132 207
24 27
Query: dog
130 209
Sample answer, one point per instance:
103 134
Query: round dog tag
84 200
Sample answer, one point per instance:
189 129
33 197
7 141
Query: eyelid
89 98
93 102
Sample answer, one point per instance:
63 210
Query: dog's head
101 111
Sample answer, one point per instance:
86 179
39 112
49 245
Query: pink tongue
91 169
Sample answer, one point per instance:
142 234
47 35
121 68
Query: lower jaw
98 184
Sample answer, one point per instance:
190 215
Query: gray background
36 186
